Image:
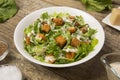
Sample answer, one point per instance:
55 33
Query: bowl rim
5 53
58 65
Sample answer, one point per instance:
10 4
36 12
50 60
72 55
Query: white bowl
29 19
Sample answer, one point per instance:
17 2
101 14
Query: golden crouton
77 24
41 36
71 29
45 28
61 41
84 29
75 42
58 21
70 55
72 17
27 40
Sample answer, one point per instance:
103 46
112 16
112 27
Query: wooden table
91 70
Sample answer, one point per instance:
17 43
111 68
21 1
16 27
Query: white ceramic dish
26 21
10 72
106 20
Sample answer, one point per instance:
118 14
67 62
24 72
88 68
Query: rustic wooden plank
71 3
77 4
91 70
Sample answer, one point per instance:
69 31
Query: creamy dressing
67 20
33 32
29 34
61 55
38 25
48 22
116 67
49 58
38 37
70 50
78 37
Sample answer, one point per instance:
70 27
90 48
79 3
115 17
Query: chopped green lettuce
61 14
28 30
40 58
52 48
40 48
90 32
36 26
45 15
80 20
29 49
63 61
94 42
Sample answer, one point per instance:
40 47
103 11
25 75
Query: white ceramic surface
29 19
106 20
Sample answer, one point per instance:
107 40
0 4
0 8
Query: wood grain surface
91 70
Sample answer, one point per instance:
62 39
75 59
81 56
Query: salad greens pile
59 38
8 9
97 5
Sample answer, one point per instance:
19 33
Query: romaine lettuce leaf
97 5
8 9
45 16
